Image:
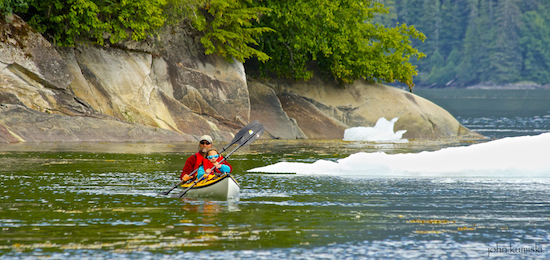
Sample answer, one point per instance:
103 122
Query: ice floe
513 157
381 132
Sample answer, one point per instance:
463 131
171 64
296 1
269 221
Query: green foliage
504 63
178 11
9 6
67 20
436 59
338 36
476 43
442 73
501 41
535 39
228 30
498 41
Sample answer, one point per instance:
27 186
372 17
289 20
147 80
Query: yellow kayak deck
210 180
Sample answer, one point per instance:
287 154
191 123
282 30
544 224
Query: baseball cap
206 138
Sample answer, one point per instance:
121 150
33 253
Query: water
99 201
496 113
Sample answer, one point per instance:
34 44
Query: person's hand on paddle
217 164
186 177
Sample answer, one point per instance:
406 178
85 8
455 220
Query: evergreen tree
473 65
535 44
498 41
431 24
452 28
415 15
504 63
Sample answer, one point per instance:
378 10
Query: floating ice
381 132
513 157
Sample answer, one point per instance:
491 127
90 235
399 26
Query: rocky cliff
166 89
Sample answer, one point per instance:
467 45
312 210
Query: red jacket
195 161
192 163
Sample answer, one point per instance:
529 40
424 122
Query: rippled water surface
496 113
99 201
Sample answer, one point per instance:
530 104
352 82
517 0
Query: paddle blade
244 131
252 134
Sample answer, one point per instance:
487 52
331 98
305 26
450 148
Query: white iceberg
381 132
513 157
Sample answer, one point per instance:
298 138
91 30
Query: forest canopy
477 42
339 36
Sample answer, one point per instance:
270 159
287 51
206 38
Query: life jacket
208 165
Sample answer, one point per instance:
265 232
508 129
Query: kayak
224 187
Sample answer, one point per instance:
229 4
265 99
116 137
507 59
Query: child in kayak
213 158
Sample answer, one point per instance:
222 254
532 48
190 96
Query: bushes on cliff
8 6
65 21
338 35
227 26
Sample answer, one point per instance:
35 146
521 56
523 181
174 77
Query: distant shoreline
518 86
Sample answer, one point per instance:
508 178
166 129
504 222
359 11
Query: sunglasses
209 157
205 142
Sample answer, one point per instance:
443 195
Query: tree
65 21
9 6
228 29
476 42
443 72
535 45
505 61
339 38
452 30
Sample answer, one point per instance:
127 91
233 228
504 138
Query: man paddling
245 136
195 161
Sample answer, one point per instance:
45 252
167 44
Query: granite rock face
21 124
266 107
323 110
166 89
32 72
180 90
138 83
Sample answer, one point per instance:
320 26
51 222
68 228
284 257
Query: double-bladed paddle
238 137
250 136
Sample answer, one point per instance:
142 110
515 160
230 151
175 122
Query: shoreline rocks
166 90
